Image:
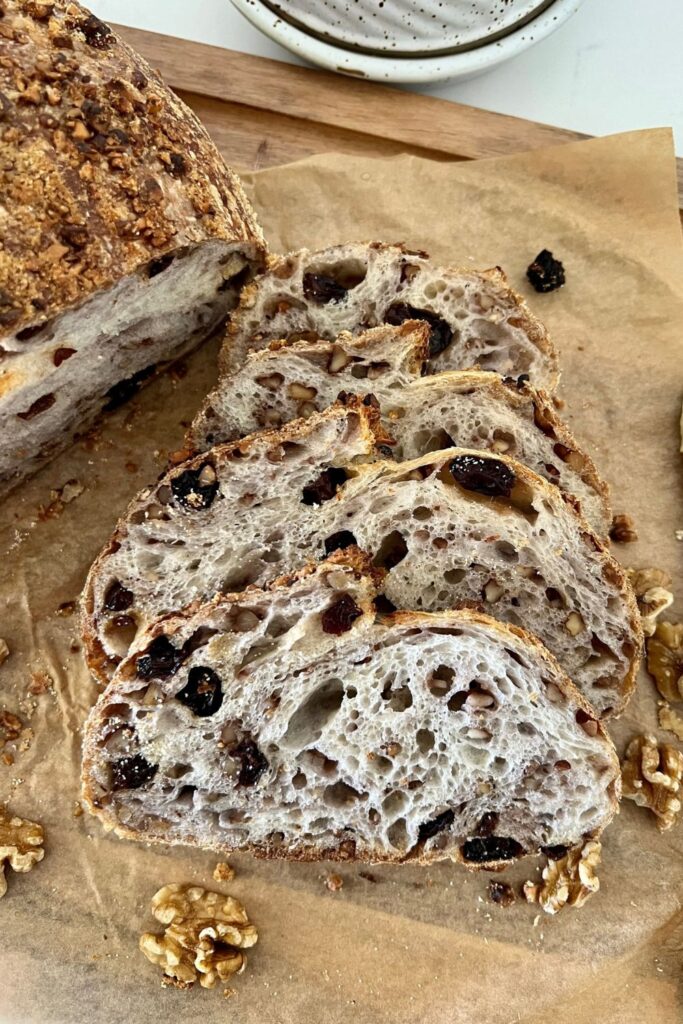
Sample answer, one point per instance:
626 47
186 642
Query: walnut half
651 587
21 845
665 659
651 776
569 881
204 936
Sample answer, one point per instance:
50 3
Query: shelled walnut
665 659
651 776
567 881
204 936
21 845
651 587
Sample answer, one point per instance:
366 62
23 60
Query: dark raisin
131 772
385 450
178 165
501 893
62 354
125 389
338 541
321 289
158 266
487 824
139 80
340 616
160 660
324 487
517 382
31 332
545 273
40 405
432 828
253 763
440 335
491 848
485 476
97 34
383 605
117 598
203 693
555 852
196 488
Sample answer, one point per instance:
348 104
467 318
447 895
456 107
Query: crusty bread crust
104 167
345 850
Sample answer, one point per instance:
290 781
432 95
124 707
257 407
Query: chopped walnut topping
623 529
21 845
334 882
651 589
651 776
223 872
568 881
665 659
204 936
4 651
670 720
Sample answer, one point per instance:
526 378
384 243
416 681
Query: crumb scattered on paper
334 882
223 872
4 651
59 498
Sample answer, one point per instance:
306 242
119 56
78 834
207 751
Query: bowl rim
406 69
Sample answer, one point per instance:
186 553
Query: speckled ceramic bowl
407 40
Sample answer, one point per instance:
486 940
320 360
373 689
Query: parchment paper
412 945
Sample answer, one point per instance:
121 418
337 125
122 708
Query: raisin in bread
475 318
452 527
294 722
471 408
124 238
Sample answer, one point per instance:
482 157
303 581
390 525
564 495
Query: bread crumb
228 993
78 809
623 529
334 882
39 683
4 651
223 872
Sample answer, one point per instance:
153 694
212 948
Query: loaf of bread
475 318
124 238
296 723
453 527
470 408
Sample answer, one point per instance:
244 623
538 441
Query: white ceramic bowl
407 40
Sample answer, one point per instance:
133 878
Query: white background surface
616 65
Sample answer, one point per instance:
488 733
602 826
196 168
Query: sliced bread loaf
124 238
294 722
475 318
452 527
470 408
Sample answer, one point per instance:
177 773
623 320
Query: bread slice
294 722
476 319
452 527
124 238
471 408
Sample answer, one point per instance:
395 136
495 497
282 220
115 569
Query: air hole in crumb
392 550
397 834
454 576
425 740
314 715
341 795
457 700
299 781
441 680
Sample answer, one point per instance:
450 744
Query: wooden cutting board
263 112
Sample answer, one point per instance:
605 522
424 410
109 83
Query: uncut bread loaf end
124 241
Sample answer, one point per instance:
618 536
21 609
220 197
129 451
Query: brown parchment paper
409 944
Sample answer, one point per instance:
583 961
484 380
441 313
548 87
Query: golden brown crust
357 561
103 168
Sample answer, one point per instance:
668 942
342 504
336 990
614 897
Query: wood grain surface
263 112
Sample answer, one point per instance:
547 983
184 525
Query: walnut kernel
651 589
567 881
21 845
651 776
670 720
665 659
623 529
204 936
